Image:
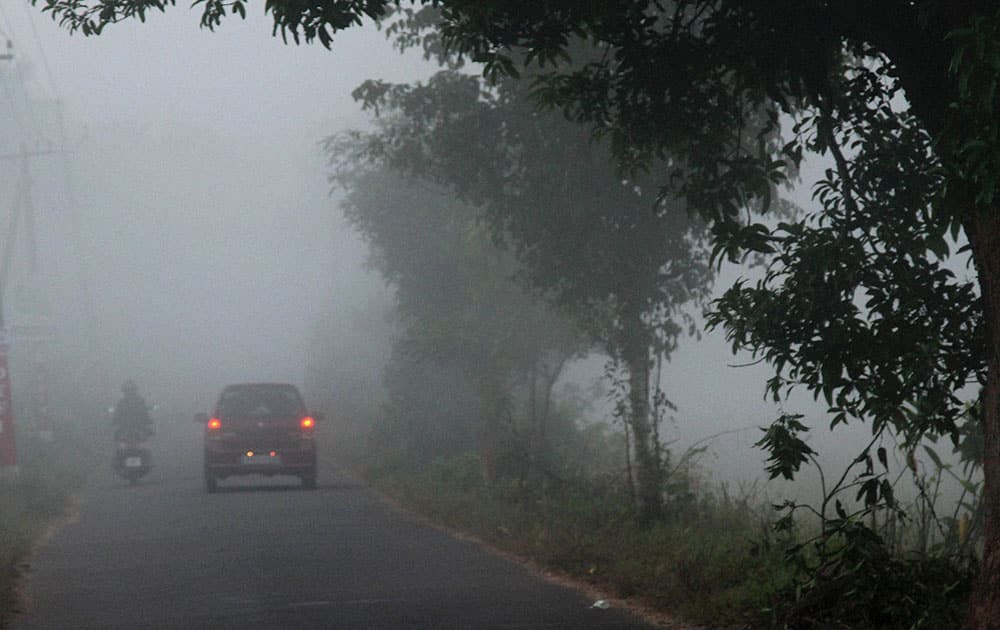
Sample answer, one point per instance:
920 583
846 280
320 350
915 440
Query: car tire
211 483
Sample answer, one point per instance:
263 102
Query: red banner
8 449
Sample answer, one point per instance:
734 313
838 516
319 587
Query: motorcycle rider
131 417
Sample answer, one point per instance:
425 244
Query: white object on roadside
603 604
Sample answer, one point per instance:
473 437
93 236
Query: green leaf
970 487
934 456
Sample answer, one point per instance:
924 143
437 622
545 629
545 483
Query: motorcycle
133 459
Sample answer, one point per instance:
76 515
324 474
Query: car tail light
307 422
214 424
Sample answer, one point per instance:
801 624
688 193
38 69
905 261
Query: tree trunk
489 450
635 355
629 476
983 231
492 398
534 445
551 376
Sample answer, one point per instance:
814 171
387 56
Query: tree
686 76
460 311
836 69
619 263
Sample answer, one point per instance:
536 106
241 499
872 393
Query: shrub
705 561
50 473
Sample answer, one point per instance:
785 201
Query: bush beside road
50 474
708 563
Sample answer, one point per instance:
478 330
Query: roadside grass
50 472
709 561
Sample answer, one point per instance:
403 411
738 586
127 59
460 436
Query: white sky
237 79
208 229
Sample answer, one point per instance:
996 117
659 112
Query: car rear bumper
226 463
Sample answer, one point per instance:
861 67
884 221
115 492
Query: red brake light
307 422
214 424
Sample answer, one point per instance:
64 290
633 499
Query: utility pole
8 445
22 206
33 336
37 336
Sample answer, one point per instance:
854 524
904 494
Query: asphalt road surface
263 553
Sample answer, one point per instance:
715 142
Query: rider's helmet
129 388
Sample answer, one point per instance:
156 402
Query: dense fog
206 233
187 236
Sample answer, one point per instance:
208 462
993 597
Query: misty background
211 248
205 226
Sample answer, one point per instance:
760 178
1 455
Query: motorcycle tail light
214 424
307 422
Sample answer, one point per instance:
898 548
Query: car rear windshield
260 400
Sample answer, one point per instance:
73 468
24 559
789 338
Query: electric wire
6 22
84 276
41 52
35 129
27 116
24 115
6 30
10 100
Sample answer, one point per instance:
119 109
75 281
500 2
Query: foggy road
263 553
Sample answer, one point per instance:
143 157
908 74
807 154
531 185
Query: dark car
259 428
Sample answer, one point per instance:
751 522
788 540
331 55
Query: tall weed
704 561
49 474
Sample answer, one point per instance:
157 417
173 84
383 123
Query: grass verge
707 562
50 472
